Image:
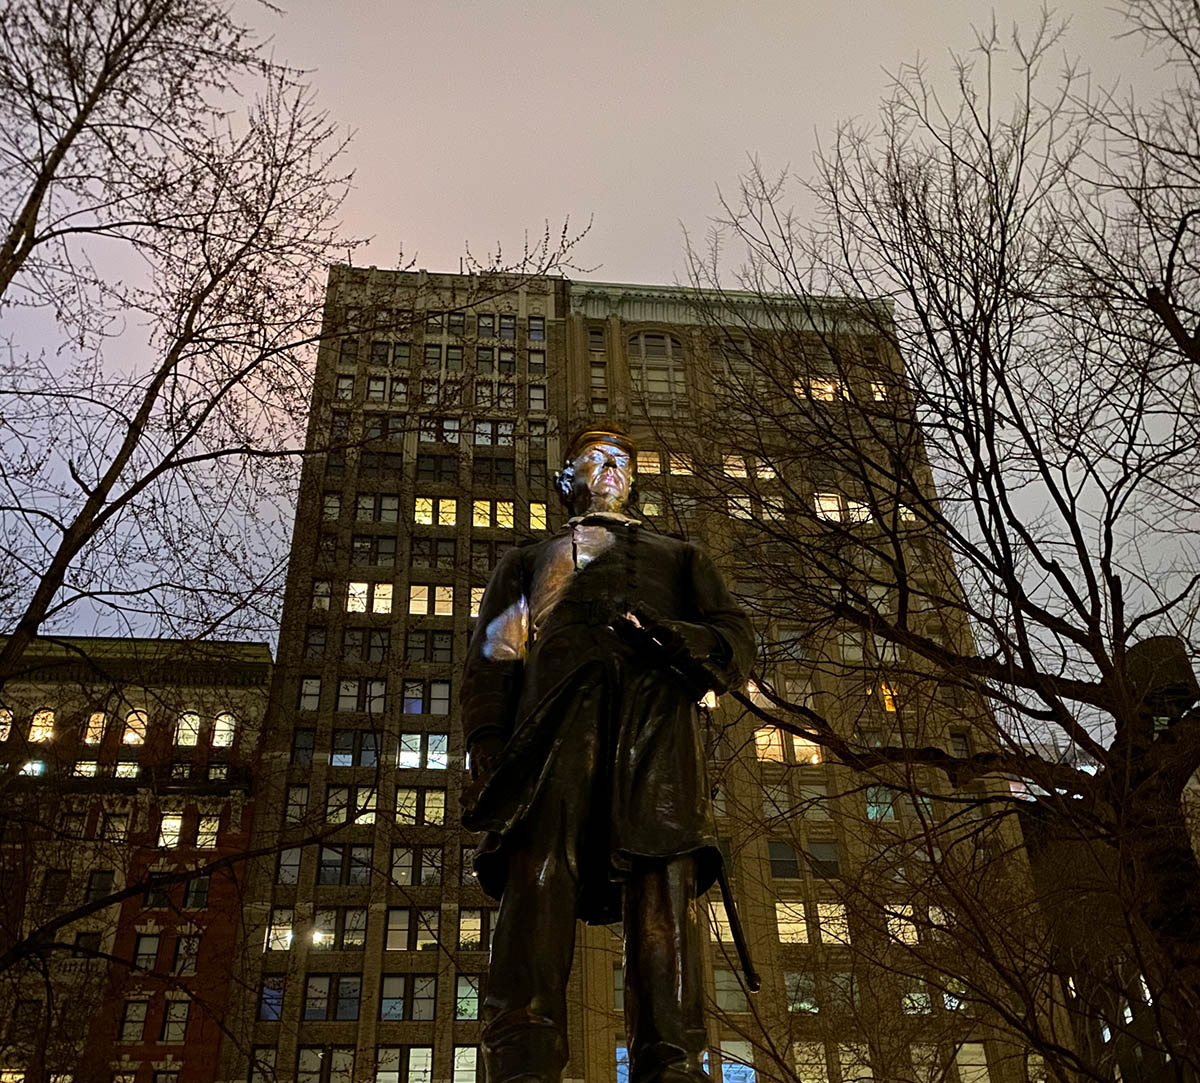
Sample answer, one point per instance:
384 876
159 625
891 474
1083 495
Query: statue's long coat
620 740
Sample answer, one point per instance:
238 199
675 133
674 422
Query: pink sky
475 120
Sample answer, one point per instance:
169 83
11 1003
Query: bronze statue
579 705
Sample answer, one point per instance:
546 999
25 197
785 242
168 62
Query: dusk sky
477 120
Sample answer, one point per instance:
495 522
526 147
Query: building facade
442 405
125 781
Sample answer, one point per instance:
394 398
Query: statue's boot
664 991
519 1047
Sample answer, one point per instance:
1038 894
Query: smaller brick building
125 810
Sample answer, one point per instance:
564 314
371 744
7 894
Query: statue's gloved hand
484 754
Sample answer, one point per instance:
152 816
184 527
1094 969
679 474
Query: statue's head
598 475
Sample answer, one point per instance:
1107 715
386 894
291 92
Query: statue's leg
664 988
525 1011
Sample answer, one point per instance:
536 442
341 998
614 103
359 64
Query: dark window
100 885
314 641
344 865
960 744
401 353
456 322
784 865
344 388
381 464
348 353
485 359
429 647
302 747
433 552
85 943
823 859
55 884
157 895
332 996
195 894
366 644
437 468
538 474
454 358
379 353
537 328
434 322
596 339
339 427
288 869
486 470
354 748
508 327
537 362
385 426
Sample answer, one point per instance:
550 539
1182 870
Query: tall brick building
125 777
442 404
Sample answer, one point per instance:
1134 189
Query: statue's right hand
484 753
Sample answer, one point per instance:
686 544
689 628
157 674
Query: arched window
135 728
93 730
187 728
41 728
5 723
224 727
656 368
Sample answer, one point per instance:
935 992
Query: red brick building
125 776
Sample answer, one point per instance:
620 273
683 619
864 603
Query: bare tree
953 423
175 243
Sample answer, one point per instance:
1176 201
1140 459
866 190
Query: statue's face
604 472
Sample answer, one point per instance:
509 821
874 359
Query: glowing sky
475 119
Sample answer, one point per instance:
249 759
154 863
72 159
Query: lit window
679 464
901 926
279 931
41 728
648 462
135 728
881 803
504 514
33 767
879 391
381 598
835 927
768 744
94 731
828 506
476 600
170 829
888 694
86 769
855 1062
6 720
737 1060
187 728
418 599
858 511
821 389
971 1062
741 507
423 511
206 834
356 597
321 593
719 921
443 601
224 727
126 769
790 921
764 471
807 752
481 513
735 466
537 517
